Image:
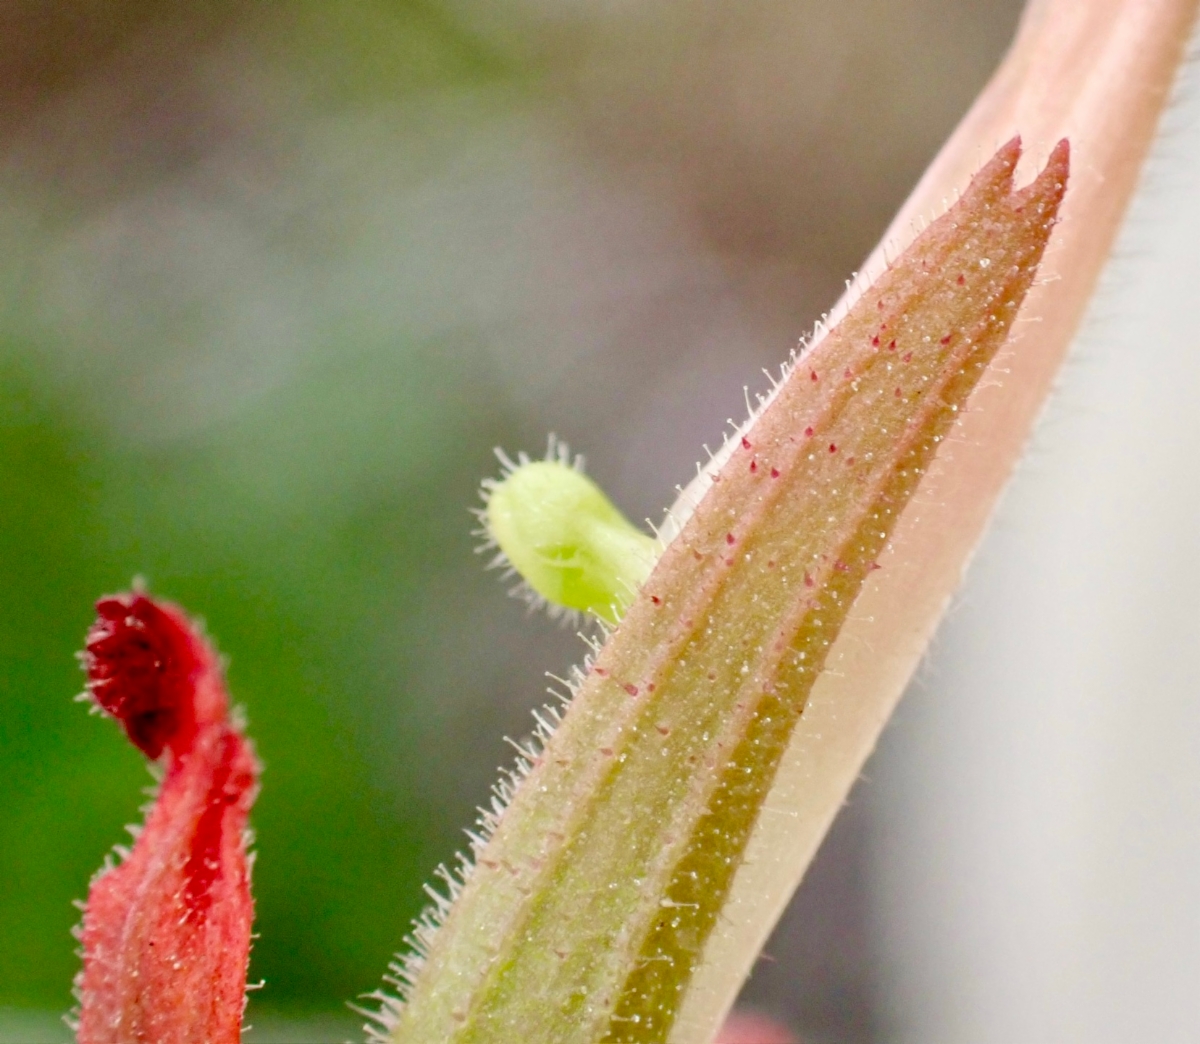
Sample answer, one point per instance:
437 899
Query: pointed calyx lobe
803 513
592 904
166 934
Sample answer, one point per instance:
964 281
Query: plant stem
1101 73
591 905
627 887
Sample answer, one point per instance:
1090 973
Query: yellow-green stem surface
590 906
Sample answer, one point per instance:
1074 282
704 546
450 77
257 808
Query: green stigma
558 530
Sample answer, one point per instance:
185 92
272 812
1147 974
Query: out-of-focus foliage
318 525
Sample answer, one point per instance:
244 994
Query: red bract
166 934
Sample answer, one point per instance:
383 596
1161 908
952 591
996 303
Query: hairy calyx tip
144 663
166 934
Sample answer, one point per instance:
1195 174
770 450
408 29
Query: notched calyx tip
675 736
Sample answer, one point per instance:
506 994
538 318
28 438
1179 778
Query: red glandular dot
166 934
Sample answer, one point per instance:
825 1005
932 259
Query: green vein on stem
589 906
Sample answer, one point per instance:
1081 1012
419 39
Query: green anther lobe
566 539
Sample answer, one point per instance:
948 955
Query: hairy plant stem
590 906
706 750
1100 73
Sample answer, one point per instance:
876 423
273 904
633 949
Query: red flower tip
166 934
149 669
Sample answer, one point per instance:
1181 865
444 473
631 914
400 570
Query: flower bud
166 933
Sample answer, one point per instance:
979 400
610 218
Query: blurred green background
274 281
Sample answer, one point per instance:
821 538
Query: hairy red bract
166 934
